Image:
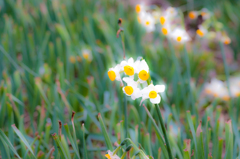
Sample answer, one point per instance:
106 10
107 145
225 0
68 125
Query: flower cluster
167 19
219 89
145 18
132 88
209 22
172 25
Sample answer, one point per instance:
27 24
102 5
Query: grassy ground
46 74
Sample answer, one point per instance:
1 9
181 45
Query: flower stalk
189 79
164 131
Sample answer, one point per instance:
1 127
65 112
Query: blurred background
54 58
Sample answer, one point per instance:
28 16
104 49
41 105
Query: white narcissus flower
132 88
140 8
180 35
193 15
147 20
114 73
143 71
217 88
110 155
214 87
171 11
235 91
166 29
201 31
168 15
151 92
129 66
87 54
225 39
206 14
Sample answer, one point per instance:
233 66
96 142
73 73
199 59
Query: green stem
164 131
178 70
123 45
117 149
125 114
189 79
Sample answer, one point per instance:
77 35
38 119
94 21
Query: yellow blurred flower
72 59
87 54
193 14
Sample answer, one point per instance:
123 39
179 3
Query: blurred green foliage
41 83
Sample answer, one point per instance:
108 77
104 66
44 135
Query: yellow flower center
200 33
192 15
179 38
138 8
164 31
85 55
128 90
129 70
108 156
226 98
227 41
215 94
208 91
153 94
111 75
237 94
72 59
143 75
147 23
203 13
162 20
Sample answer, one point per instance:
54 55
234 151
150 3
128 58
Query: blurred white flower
168 16
180 35
235 86
129 66
218 89
206 14
148 22
225 39
151 92
171 12
193 15
110 155
140 8
114 73
132 88
87 54
166 29
201 31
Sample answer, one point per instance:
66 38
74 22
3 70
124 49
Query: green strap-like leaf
20 135
4 138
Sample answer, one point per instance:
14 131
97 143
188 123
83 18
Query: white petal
146 90
156 100
130 61
160 88
128 79
141 81
123 63
136 95
145 65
